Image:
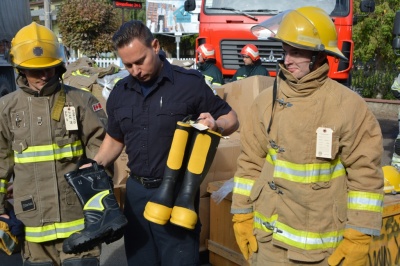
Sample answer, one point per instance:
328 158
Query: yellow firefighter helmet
308 28
35 46
392 179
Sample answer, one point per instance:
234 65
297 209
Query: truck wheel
5 87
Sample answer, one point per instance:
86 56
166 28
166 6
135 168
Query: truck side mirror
190 5
396 33
367 6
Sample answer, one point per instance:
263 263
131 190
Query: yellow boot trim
178 147
183 217
157 213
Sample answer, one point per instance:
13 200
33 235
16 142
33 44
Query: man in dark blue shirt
143 111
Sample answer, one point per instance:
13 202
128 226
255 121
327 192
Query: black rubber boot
104 221
204 147
158 209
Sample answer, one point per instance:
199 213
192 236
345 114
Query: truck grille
270 53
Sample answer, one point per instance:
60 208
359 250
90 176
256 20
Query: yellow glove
353 249
243 228
7 241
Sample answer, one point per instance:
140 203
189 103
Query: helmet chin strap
313 60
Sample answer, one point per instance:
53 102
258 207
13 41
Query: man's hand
243 228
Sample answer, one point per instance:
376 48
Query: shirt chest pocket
168 115
126 119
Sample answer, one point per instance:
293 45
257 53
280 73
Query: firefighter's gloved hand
353 249
8 241
15 226
243 228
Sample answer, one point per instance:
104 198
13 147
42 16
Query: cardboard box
121 170
240 94
224 165
220 91
119 193
222 246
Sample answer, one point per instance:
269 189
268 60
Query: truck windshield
336 8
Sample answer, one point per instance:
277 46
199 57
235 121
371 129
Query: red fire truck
226 25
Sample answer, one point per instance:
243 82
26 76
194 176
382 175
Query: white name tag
324 142
70 118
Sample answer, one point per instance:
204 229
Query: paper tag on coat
70 118
324 142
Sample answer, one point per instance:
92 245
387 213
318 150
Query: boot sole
109 233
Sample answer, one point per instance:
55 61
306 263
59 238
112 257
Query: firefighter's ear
155 44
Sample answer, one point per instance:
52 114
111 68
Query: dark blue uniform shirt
146 124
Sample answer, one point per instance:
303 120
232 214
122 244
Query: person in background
143 111
206 64
309 186
252 64
46 128
396 154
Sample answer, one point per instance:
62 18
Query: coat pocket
25 209
168 115
19 145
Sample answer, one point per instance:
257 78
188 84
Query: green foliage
370 81
372 36
88 25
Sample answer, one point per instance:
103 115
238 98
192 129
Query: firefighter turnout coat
315 172
37 147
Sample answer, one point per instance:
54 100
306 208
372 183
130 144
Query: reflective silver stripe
367 201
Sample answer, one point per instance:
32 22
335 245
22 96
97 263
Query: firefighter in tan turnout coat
45 128
308 187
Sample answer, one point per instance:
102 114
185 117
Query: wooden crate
384 249
222 246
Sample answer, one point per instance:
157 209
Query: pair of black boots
191 151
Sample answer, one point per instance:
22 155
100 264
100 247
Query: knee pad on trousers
81 262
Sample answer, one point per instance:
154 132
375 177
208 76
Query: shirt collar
165 73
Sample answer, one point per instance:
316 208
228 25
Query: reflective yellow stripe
85 89
307 240
260 219
95 202
305 173
3 186
53 231
78 73
209 78
242 185
47 153
365 201
297 238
